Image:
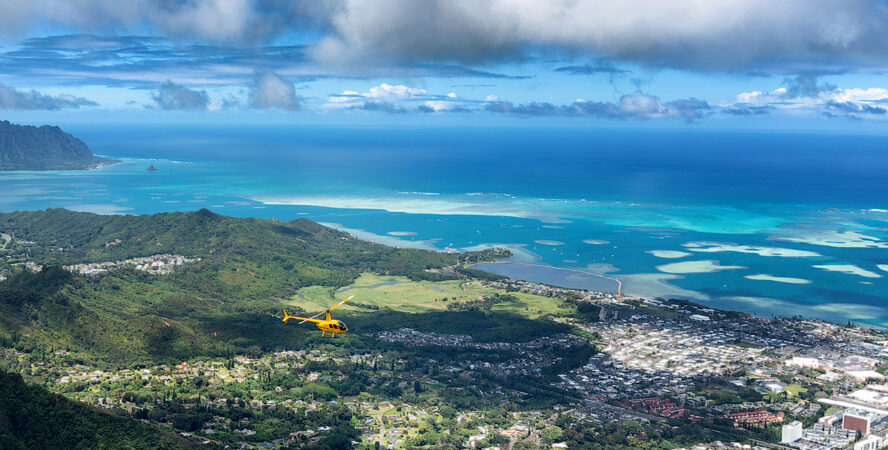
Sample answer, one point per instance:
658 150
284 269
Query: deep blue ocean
768 223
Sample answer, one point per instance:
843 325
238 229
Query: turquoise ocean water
769 223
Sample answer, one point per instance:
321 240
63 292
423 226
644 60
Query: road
604 406
382 426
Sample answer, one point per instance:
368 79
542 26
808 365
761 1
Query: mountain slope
43 148
227 301
32 417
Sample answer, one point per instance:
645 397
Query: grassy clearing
403 295
794 389
534 306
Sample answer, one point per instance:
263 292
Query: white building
798 361
871 442
864 375
791 432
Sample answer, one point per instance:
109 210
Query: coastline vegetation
44 148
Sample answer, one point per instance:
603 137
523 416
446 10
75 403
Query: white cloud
172 96
438 105
858 95
11 98
398 99
271 91
749 97
387 91
829 100
383 92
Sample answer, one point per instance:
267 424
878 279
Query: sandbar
548 242
668 253
704 266
836 238
712 247
850 269
766 277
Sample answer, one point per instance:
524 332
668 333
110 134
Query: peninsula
44 148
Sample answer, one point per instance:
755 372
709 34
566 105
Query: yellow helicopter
327 325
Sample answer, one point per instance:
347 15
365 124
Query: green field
403 295
794 389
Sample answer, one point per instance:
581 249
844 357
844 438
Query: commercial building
862 421
791 432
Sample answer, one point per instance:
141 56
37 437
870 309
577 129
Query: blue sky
794 64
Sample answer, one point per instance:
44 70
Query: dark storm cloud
638 105
735 36
172 96
789 36
11 98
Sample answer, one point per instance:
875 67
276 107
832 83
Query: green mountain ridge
44 148
227 301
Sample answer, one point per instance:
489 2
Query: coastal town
791 382
799 383
820 384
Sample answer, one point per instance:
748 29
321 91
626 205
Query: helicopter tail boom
288 317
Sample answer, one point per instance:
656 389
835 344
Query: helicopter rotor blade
312 317
340 303
331 309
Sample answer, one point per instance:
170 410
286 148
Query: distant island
44 148
151 168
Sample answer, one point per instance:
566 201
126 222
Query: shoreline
90 167
735 309
619 284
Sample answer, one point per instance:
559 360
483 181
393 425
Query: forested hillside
32 417
227 300
43 148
